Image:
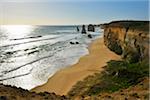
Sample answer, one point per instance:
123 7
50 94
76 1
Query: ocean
30 55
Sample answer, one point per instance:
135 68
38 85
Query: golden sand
62 81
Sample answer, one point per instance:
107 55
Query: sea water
29 55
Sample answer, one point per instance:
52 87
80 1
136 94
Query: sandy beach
62 81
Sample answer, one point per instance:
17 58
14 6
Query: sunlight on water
15 31
29 55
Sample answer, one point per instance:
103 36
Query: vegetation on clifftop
137 25
117 75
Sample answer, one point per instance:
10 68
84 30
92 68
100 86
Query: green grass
117 75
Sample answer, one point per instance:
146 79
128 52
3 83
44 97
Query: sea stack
78 29
91 28
83 30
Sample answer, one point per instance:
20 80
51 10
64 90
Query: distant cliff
128 38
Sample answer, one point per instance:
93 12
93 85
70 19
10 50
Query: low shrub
117 75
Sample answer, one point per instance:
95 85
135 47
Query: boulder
89 36
77 42
71 42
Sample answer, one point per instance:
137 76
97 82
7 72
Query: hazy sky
58 12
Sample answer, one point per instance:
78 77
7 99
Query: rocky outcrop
128 38
91 28
13 93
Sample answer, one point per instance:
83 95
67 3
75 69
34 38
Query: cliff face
128 38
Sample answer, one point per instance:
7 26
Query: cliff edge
130 39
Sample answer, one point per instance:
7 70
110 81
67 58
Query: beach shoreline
63 80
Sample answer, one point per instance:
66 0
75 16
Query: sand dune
64 79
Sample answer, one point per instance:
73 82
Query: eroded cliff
128 38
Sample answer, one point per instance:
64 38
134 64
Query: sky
71 12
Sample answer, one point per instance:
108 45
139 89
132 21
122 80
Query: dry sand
64 79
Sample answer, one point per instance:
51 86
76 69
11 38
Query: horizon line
76 24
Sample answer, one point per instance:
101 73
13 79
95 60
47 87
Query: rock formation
89 36
128 38
83 30
91 28
78 29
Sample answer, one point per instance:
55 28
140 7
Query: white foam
58 54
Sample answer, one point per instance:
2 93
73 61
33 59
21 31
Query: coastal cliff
130 39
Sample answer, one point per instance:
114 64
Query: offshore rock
91 28
83 30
